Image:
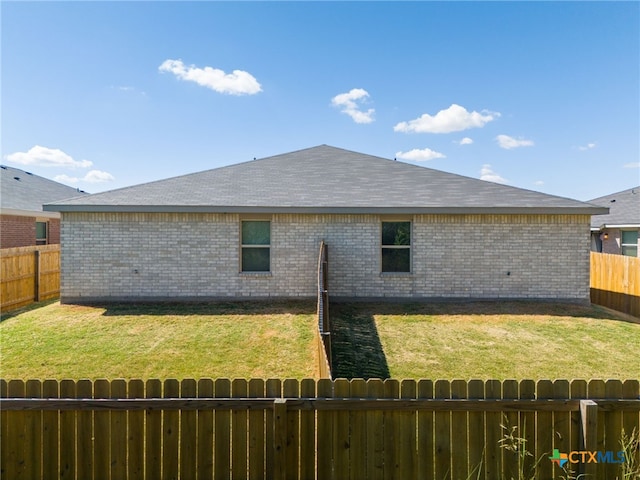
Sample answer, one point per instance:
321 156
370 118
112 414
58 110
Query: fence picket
84 432
442 426
528 423
325 433
205 432
375 433
222 432
561 421
153 430
118 433
459 439
290 389
68 433
102 433
595 390
307 432
476 441
612 426
33 420
425 463
15 435
509 420
50 429
631 419
407 454
341 441
391 431
188 431
239 426
135 438
544 431
4 434
493 433
256 432
273 388
358 442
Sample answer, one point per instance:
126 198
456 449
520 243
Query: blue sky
537 95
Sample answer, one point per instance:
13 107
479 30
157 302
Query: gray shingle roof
624 209
22 190
325 179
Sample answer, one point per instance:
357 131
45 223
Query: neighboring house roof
23 192
624 209
324 179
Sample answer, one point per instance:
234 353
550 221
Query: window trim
632 245
257 218
45 240
397 219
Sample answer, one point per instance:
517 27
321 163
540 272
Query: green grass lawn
243 340
234 340
484 340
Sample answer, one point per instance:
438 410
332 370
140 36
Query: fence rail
615 282
325 429
29 274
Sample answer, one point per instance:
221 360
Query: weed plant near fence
321 429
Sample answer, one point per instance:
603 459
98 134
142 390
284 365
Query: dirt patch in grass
497 340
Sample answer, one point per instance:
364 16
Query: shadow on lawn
253 307
355 344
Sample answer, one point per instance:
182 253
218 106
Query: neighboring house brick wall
54 231
20 231
17 231
613 243
197 255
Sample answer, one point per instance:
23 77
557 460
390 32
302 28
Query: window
396 247
256 246
41 233
629 243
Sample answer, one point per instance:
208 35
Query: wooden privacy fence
29 274
615 282
308 429
323 336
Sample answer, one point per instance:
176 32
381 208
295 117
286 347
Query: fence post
36 279
589 434
280 438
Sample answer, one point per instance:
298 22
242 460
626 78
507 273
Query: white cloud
98 176
418 155
94 176
632 165
349 104
237 83
486 173
588 146
46 157
453 119
507 142
538 183
466 141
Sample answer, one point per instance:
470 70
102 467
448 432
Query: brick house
22 219
394 230
617 232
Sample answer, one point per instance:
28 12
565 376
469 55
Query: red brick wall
17 231
54 231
